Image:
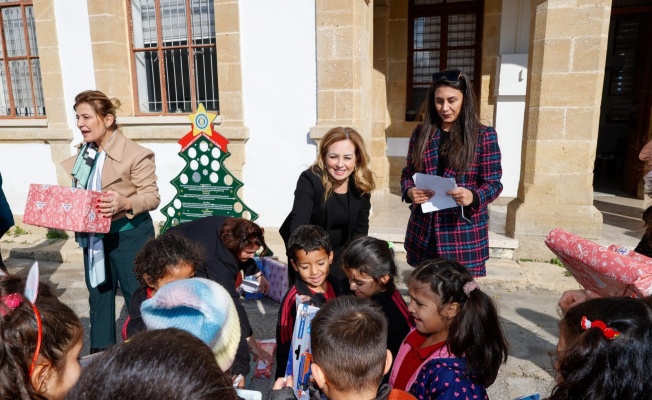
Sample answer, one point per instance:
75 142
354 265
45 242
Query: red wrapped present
263 368
608 271
65 208
276 274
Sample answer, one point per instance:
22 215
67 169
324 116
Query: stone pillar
111 52
56 133
490 60
378 146
344 67
568 44
229 78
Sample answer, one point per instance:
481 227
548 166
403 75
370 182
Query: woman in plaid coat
453 144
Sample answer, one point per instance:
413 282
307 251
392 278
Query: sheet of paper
440 186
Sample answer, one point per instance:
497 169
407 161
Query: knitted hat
201 307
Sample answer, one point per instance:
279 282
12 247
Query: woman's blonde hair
362 175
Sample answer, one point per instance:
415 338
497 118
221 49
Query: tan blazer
129 169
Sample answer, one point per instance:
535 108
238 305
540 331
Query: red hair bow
609 333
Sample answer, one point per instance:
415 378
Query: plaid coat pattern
447 233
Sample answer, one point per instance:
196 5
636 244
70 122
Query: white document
440 186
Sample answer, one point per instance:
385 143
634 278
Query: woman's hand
419 196
260 354
113 203
263 284
462 196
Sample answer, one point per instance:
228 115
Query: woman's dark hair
372 257
160 255
100 103
238 233
61 330
460 148
476 331
591 366
157 364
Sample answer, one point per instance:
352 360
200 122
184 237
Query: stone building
566 83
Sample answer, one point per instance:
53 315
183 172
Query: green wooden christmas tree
204 186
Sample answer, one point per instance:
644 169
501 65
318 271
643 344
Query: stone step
500 246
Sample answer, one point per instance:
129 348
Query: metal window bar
20 74
184 29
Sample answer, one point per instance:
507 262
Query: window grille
174 55
444 34
20 67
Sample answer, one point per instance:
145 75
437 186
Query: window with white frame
20 68
174 56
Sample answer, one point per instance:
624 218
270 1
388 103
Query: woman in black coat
229 245
334 193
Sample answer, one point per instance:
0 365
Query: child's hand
283 382
263 284
260 354
238 381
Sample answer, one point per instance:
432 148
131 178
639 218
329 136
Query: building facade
565 83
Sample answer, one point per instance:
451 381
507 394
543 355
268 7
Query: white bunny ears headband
13 300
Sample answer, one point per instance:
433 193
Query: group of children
447 343
448 340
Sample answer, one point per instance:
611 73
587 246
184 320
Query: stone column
344 67
229 77
568 44
56 132
378 145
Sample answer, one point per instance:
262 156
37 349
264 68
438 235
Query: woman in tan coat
107 161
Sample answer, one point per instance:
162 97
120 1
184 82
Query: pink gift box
64 208
276 274
606 270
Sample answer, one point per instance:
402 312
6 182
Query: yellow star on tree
201 121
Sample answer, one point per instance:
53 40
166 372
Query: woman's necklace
101 148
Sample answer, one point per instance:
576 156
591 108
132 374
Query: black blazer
222 267
309 208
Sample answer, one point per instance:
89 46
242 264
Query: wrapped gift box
263 368
64 208
276 274
608 271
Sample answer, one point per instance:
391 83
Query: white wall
511 89
279 91
20 165
75 56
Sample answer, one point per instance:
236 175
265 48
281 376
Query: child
604 350
201 307
458 344
38 358
369 264
348 351
160 364
310 255
165 259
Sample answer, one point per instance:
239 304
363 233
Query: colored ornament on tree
205 186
